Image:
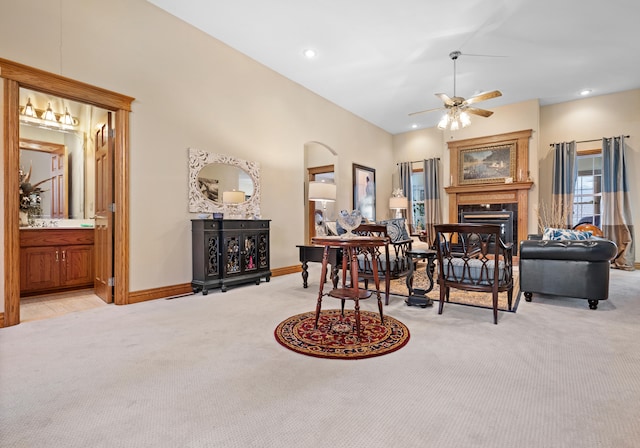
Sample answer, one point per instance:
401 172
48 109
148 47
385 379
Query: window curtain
432 207
404 169
565 173
616 213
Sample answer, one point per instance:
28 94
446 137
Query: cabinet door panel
40 268
77 265
232 254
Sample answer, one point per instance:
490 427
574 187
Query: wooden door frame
311 218
16 75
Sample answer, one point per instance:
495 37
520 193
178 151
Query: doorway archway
16 75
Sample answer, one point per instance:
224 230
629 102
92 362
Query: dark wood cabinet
55 260
229 252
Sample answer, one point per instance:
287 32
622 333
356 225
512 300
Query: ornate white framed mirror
213 177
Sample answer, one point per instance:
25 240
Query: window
417 200
588 189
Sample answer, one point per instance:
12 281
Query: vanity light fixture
48 114
66 118
29 110
47 118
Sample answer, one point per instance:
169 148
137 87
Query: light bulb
443 122
48 114
66 118
465 119
29 111
455 125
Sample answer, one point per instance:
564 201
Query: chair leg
443 293
495 307
387 286
510 298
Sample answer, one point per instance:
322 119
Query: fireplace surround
500 194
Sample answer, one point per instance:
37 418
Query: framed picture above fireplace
489 164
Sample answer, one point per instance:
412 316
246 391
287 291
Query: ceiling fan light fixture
465 119
444 121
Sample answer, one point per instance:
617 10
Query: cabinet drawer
55 237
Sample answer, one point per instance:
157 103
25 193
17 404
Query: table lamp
322 192
398 203
231 199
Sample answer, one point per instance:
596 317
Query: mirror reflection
216 178
57 156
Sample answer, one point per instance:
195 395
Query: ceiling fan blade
445 99
483 97
425 111
476 111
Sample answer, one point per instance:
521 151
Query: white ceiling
383 59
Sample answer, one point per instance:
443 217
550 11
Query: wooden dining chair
472 257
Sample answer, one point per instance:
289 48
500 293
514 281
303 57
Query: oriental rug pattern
336 337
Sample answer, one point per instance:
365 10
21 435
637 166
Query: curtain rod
594 140
417 161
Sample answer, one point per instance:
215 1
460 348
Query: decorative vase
349 221
24 218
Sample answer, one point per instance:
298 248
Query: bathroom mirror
211 175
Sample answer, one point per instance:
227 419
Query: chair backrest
365 263
472 256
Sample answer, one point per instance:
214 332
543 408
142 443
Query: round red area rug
336 337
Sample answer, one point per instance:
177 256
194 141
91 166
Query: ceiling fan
458 107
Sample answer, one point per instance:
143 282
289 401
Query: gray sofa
567 268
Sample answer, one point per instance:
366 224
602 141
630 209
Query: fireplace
503 215
482 200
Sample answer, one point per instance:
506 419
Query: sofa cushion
554 234
396 229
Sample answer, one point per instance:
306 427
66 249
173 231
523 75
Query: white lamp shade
398 202
322 191
232 197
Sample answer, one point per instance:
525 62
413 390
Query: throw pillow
565 234
396 229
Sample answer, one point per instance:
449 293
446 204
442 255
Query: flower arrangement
30 194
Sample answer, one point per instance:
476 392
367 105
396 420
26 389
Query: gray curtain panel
565 173
404 169
432 206
616 214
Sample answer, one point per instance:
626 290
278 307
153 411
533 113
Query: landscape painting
487 165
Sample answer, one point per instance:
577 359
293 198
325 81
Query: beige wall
191 91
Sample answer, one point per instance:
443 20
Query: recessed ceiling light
414 126
309 53
585 92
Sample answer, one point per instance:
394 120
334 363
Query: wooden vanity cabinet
55 260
